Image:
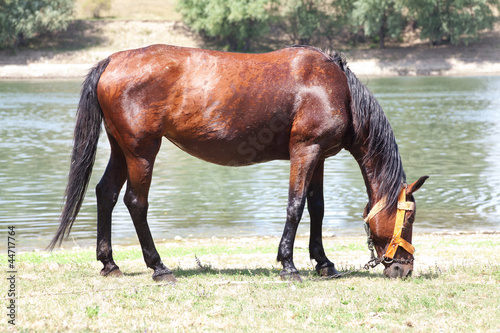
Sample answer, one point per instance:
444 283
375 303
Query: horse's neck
382 172
374 145
368 170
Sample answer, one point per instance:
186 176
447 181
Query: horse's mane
372 130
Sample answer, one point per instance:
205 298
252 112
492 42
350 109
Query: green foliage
453 20
379 18
234 23
308 21
24 19
301 19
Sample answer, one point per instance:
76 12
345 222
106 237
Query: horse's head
391 230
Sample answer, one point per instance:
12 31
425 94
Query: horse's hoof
164 277
327 270
293 277
114 272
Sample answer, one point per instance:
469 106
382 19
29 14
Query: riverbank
233 285
72 53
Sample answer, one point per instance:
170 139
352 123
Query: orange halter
396 240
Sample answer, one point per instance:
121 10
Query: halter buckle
407 205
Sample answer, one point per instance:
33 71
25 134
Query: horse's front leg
316 207
302 165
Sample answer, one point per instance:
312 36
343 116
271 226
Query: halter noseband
396 240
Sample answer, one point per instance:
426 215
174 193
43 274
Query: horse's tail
86 137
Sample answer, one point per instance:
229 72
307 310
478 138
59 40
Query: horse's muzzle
396 270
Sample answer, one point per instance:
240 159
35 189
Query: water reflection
448 128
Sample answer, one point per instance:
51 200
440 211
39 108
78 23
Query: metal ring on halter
386 260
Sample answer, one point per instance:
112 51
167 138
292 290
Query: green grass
233 285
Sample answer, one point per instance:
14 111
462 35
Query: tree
233 23
300 19
453 21
379 18
24 19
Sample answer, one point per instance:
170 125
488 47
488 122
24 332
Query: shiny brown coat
226 108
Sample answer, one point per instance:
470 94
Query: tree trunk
382 32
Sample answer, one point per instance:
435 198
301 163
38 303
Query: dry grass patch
233 285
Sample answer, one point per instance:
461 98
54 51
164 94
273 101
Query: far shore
366 67
87 42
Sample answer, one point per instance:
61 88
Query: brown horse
299 104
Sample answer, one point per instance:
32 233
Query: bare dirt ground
72 53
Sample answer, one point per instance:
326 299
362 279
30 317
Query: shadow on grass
229 272
132 274
345 272
272 274
236 273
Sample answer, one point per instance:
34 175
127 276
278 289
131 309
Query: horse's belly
258 147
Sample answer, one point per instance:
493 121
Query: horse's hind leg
107 192
140 171
316 207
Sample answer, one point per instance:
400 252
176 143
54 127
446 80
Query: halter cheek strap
396 240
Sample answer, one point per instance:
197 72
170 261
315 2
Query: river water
446 127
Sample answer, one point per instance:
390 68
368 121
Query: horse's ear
412 188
